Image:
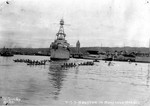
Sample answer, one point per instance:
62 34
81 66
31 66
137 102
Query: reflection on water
148 76
57 75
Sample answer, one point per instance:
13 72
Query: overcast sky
33 23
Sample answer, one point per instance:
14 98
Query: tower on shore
78 46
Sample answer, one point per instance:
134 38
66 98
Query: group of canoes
32 62
88 63
69 65
43 62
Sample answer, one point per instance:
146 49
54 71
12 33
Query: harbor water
118 84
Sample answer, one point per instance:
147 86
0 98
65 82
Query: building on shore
77 53
78 46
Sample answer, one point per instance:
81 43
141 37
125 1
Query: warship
59 49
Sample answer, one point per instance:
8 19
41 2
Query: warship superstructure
59 49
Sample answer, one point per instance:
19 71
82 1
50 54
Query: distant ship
59 49
6 52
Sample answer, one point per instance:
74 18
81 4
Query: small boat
95 60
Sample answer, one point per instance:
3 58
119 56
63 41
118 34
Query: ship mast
61 34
